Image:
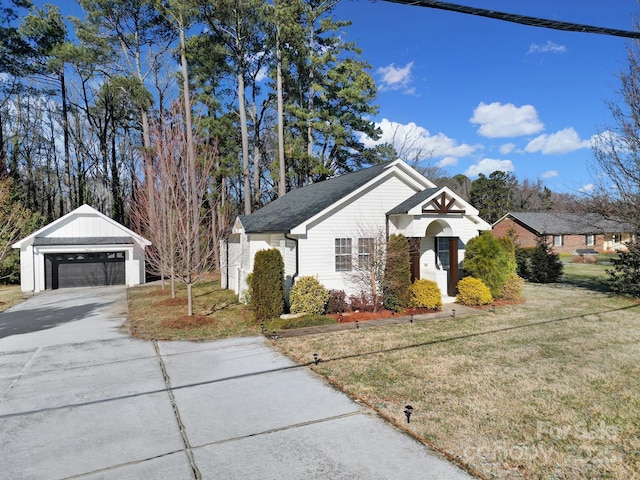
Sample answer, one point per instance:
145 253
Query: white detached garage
82 249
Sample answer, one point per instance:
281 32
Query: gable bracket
442 206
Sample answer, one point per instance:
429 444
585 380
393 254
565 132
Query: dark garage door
65 270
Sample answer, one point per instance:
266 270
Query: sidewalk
446 311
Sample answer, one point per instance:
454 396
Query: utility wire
521 19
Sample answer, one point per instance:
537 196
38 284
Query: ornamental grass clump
425 294
308 295
472 291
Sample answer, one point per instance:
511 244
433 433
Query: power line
521 19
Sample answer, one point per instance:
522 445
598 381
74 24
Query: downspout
226 262
295 274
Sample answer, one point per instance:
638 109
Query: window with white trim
589 240
558 241
343 254
365 249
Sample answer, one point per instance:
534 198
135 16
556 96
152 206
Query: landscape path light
357 324
411 318
316 358
453 313
408 410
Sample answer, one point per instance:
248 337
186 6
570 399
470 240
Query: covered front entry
446 249
85 269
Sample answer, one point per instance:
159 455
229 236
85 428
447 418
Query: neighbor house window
590 240
343 254
365 249
557 241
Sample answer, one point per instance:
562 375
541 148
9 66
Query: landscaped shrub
490 260
246 296
425 294
473 291
624 277
363 303
523 260
397 273
337 302
267 285
546 266
308 295
512 288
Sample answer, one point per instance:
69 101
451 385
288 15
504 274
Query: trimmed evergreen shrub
546 266
523 260
308 295
624 277
246 296
267 285
397 273
473 291
490 260
512 288
425 294
337 302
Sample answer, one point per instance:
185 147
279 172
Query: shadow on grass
587 282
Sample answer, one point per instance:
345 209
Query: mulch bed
173 302
186 321
364 316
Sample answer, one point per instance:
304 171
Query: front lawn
10 295
154 315
549 389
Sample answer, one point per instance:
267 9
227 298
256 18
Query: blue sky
476 95
484 95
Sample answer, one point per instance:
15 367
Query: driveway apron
81 399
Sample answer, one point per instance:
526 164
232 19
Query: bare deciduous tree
171 209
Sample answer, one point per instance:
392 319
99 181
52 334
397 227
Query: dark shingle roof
299 205
412 201
42 241
570 223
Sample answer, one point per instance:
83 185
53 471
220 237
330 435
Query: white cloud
547 47
447 162
503 121
396 78
563 141
489 165
413 142
587 188
549 174
507 148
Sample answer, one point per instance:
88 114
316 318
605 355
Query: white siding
84 226
364 217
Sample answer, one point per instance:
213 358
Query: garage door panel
84 269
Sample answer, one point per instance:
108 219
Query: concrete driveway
80 399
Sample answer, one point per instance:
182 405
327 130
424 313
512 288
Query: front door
447 259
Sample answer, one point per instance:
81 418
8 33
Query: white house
323 229
83 248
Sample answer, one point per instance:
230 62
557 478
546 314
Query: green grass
585 275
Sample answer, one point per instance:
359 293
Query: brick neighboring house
566 232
